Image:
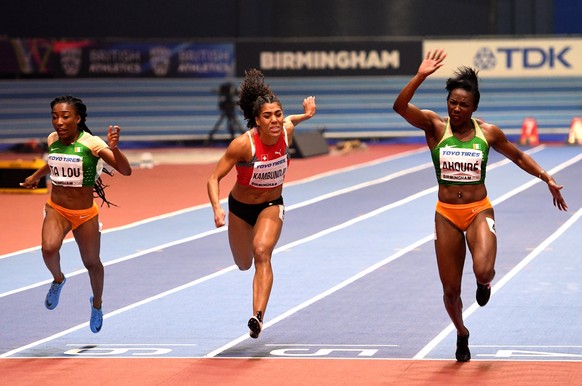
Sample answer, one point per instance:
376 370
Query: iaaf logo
522 57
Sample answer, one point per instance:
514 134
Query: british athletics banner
329 58
96 58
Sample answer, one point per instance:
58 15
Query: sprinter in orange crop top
464 216
255 203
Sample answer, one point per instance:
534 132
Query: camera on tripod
226 98
227 94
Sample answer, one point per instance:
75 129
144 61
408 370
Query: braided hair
465 78
254 93
81 110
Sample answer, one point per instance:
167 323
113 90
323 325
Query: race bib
460 165
269 174
66 170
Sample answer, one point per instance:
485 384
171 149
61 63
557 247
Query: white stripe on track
218 230
203 206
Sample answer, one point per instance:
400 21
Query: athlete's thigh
450 250
482 239
268 228
240 238
54 229
88 238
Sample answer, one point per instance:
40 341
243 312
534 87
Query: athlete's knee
49 251
262 253
243 261
485 276
93 265
451 294
244 266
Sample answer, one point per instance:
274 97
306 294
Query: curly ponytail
254 93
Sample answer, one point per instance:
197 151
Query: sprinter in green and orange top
459 145
75 162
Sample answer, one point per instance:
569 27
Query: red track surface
282 372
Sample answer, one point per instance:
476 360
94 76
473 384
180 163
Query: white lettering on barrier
317 60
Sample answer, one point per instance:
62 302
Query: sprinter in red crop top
255 202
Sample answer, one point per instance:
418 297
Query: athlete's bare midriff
250 195
72 197
461 194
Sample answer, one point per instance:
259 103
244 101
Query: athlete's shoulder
240 147
52 138
491 132
93 142
486 126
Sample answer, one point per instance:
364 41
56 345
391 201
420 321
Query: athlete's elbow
126 171
398 108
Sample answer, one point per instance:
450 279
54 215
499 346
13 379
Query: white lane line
218 230
204 206
326 293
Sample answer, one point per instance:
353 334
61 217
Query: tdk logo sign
522 58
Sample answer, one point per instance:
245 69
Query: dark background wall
287 18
